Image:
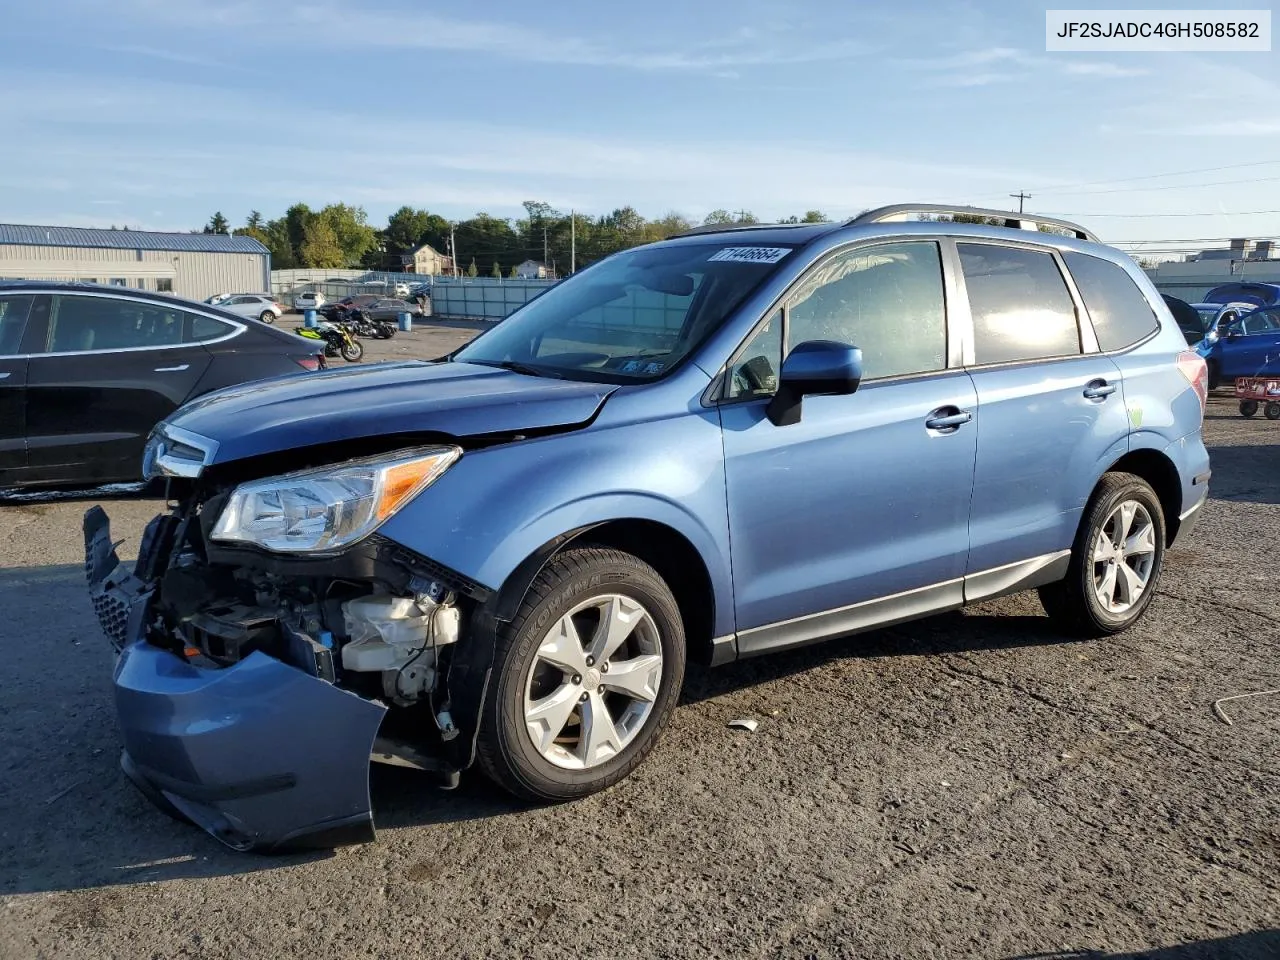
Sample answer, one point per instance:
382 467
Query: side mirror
813 368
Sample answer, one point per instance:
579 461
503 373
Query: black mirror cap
814 368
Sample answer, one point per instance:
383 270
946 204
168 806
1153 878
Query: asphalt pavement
973 785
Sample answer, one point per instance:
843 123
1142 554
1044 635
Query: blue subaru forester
734 441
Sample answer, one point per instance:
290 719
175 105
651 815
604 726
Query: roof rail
1018 221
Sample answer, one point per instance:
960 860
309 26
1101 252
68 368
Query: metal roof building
195 265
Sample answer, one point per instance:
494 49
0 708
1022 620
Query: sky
156 113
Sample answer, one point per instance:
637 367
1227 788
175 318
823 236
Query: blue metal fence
482 298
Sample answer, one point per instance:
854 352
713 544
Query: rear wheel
1272 410
1115 562
1248 408
267 317
585 677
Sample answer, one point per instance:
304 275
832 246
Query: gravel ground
969 785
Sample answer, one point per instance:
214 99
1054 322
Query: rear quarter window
201 328
1120 314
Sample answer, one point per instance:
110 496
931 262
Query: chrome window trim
237 327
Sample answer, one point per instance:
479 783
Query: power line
1143 216
1021 195
1175 186
1154 176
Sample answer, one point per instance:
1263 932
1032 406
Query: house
532 270
427 260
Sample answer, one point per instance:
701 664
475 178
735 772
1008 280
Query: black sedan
388 308
86 371
335 310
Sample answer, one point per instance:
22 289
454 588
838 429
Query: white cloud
333 23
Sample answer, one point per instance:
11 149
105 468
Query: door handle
1099 390
181 366
948 418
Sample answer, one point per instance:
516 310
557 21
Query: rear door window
1021 307
1120 314
13 320
79 324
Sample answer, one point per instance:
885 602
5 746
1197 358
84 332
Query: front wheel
267 317
1115 562
352 350
585 677
1248 408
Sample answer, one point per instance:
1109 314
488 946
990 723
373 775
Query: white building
531 270
194 265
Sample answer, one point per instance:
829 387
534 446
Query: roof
34 236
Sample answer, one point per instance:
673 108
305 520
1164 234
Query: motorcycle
339 341
366 326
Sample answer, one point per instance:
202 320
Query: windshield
631 317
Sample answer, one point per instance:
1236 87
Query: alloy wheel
593 682
1124 555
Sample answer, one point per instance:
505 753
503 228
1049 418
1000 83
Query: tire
574 580
267 316
1248 408
353 351
1272 410
386 331
1073 603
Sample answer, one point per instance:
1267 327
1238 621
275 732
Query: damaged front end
254 687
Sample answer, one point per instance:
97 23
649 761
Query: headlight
328 508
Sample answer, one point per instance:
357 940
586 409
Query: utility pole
545 256
1021 196
453 251
573 241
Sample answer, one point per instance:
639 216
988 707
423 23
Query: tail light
315 362
1192 366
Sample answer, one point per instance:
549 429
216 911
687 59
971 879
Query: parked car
218 298
331 310
85 373
1248 347
1209 317
387 308
736 441
1239 291
309 301
257 305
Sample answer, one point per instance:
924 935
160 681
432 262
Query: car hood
456 399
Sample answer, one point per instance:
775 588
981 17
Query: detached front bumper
260 754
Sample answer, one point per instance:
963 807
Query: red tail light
1192 366
311 363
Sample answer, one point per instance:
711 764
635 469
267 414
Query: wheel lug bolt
591 661
577 678
604 667
583 698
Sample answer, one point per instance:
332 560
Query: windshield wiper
515 366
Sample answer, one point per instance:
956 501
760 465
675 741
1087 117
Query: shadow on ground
64 791
1246 474
1258 945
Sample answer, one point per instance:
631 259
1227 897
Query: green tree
254 221
296 220
515 273
320 247
473 270
815 216
716 217
217 224
496 272
350 226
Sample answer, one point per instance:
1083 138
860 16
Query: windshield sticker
654 367
749 255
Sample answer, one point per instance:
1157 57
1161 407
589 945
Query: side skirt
900 607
